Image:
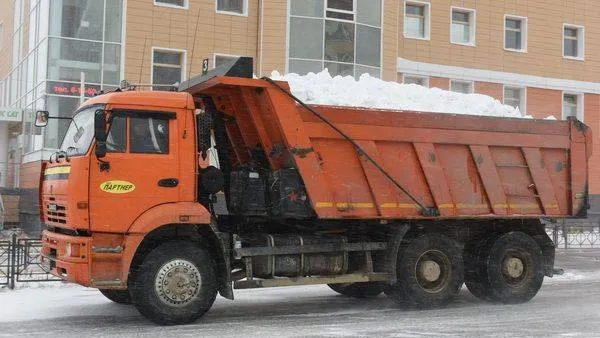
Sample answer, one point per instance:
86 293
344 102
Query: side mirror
204 127
100 132
41 118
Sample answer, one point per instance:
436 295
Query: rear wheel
508 268
515 268
358 290
430 272
117 296
175 284
474 255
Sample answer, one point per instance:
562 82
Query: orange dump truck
410 204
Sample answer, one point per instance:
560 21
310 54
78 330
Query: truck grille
56 212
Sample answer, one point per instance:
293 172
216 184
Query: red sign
71 89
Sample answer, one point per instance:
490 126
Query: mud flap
224 273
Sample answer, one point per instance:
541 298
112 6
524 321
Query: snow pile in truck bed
372 92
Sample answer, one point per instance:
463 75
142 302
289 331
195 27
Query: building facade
536 55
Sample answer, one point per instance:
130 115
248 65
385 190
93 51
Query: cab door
139 171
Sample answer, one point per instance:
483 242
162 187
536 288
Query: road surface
567 306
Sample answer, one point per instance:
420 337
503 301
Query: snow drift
372 92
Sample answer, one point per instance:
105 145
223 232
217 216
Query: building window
463 26
416 20
515 97
465 87
172 3
573 106
415 79
220 59
340 9
573 42
236 7
343 36
167 66
515 33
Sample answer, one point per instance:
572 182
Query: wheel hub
177 282
433 271
513 267
430 271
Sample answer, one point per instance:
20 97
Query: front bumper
93 261
67 257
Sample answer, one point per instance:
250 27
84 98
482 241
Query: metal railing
20 262
575 237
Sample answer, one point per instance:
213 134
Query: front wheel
117 296
175 284
358 290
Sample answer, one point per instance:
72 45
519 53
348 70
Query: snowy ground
567 306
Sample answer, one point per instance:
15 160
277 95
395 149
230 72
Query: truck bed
459 165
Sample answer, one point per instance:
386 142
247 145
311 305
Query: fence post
13 260
555 234
565 233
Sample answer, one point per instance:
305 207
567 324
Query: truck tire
430 272
358 290
175 284
515 268
475 268
117 296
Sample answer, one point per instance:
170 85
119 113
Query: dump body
462 166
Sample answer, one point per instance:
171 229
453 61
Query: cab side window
148 135
116 140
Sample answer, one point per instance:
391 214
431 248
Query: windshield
80 133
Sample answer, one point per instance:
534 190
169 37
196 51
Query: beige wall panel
545 27
6 17
273 36
391 15
175 28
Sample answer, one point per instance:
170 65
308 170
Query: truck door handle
168 182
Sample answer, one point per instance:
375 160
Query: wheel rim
516 267
177 282
433 271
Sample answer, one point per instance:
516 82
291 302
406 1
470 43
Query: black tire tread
117 296
358 290
142 284
406 291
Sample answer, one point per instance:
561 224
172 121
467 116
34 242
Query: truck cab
98 203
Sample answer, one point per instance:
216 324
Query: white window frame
186 4
524 33
353 12
426 17
523 96
425 78
580 104
470 83
183 62
214 58
472 25
232 13
580 42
